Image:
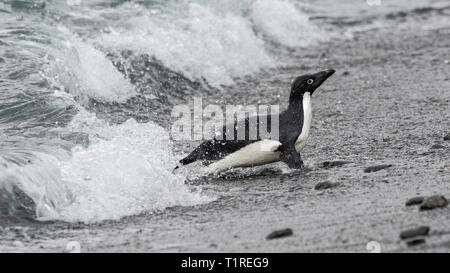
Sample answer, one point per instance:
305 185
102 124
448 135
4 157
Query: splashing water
58 160
283 22
125 170
217 45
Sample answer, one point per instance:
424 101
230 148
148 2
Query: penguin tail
187 160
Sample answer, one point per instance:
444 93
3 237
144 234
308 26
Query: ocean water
73 73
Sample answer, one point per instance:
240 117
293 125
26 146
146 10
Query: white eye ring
309 81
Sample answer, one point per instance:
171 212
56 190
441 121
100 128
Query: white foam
125 170
37 175
84 71
212 40
199 42
285 23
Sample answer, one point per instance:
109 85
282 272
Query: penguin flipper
290 156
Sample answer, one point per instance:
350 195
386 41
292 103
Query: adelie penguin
294 127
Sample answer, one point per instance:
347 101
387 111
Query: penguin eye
309 81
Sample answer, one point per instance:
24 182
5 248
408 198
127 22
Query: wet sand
388 103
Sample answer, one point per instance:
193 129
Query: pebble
377 168
280 234
435 201
415 201
447 137
437 146
416 241
331 164
410 233
326 185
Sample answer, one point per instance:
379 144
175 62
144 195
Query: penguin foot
293 160
296 165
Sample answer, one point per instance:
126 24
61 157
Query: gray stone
410 233
435 201
331 164
416 241
377 168
437 146
447 137
415 201
280 234
325 185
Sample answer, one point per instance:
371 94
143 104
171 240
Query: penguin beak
328 73
323 76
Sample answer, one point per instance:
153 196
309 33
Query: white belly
307 119
257 153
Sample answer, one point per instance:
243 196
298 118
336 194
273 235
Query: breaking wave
58 160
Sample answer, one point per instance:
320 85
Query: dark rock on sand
280 234
435 201
410 233
437 146
377 168
331 164
325 185
447 137
416 241
415 201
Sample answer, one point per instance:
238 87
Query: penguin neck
305 109
295 106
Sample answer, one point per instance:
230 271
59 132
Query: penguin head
309 83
